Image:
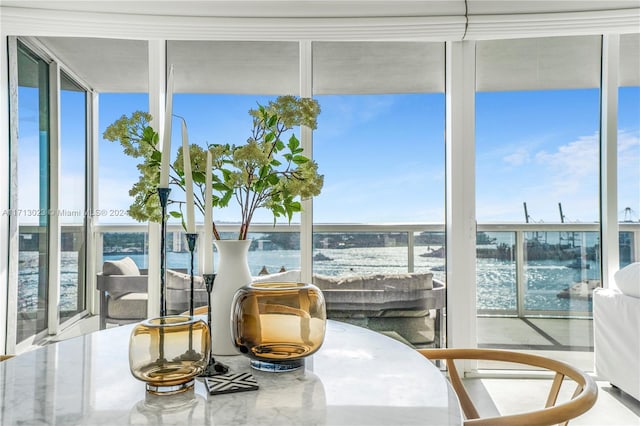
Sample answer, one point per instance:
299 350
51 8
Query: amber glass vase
168 352
278 324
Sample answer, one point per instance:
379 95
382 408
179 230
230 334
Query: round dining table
357 377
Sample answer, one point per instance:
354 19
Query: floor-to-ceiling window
32 212
380 144
537 168
117 173
72 201
50 165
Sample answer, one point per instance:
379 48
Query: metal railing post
410 251
520 277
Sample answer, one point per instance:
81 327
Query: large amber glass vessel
278 324
168 352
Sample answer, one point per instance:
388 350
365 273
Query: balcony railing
523 269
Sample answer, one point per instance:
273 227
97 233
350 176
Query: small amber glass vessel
278 324
168 352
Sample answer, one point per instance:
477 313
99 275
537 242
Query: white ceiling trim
37 22
42 22
488 27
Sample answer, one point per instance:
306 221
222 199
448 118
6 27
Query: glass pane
629 172
562 270
33 193
116 245
274 252
271 252
391 148
380 145
496 272
117 172
72 200
353 253
537 177
219 119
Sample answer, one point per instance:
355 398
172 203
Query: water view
546 283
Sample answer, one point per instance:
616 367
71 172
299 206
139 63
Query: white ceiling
106 65
377 68
265 67
356 63
534 64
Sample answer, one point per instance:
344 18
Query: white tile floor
569 340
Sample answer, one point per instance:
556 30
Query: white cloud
572 168
518 157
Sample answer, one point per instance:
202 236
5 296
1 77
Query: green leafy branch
265 172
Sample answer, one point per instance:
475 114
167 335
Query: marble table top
358 377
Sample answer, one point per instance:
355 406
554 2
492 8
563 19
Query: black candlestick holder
214 367
191 354
163 194
191 242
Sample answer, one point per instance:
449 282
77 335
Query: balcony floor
569 340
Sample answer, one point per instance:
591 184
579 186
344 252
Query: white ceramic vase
232 273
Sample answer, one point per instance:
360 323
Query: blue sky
72 157
383 155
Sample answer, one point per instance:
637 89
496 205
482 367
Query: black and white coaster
229 383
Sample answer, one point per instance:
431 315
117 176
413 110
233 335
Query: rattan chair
582 400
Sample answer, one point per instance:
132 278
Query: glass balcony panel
429 253
561 271
363 275
496 273
344 254
627 244
274 252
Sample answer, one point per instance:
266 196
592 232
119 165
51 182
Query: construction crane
562 217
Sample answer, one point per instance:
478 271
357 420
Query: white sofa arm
616 326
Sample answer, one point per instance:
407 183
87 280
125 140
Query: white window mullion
610 244
94 254
460 198
9 199
53 299
306 139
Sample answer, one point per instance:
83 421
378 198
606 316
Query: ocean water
28 276
496 288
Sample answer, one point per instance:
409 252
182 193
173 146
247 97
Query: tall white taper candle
188 179
166 135
207 266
